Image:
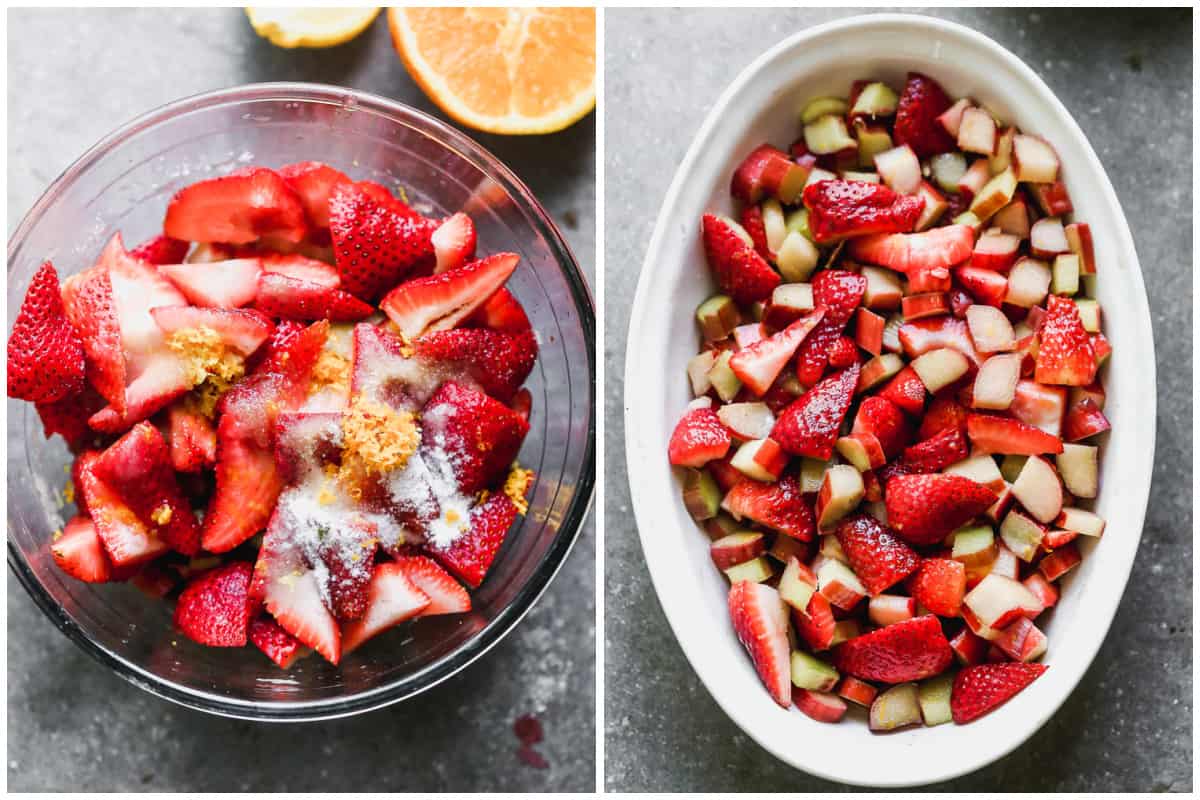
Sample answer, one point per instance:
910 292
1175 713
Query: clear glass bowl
124 183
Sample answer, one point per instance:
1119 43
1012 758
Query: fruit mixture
893 442
296 413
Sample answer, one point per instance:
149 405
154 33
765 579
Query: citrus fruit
310 27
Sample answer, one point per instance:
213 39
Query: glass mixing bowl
123 184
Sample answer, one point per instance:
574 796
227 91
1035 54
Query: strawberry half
500 312
741 272
699 437
218 284
471 556
979 689
374 246
291 298
440 302
238 208
392 599
994 434
810 425
313 183
161 250
446 595
214 608
878 558
80 553
778 505
917 126
1066 355
278 645
499 362
760 620
904 651
759 364
480 435
45 355
939 584
915 252
924 509
839 209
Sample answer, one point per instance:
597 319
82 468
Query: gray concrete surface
74 75
1127 79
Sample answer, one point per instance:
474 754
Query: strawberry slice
79 552
297 607
884 419
699 437
840 209
778 505
237 208
760 364
349 558
810 425
934 454
499 362
1066 355
979 689
440 302
842 352
816 626
878 558
218 284
470 557
939 584
294 265
914 252
994 434
751 221
760 620
906 391
278 645
392 599
1084 419
242 331
45 354
839 292
89 305
944 412
917 126
903 651
924 509
480 435
446 595
68 417
741 272
291 298
313 183
126 540
192 439
374 245
161 250
214 607
454 242
500 312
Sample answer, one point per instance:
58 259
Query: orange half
502 70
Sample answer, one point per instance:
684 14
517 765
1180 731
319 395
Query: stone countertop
1126 77
74 75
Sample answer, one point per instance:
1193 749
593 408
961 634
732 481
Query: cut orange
310 27
502 70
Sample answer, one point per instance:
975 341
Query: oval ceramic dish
762 105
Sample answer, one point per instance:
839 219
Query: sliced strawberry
68 417
242 331
1066 355
498 362
883 418
480 435
924 509
939 585
237 208
161 250
375 247
759 364
218 284
297 606
349 558
80 553
45 354
313 183
839 209
471 556
440 302
839 292
214 607
383 195
500 312
994 434
454 242
842 353
944 412
699 437
192 438
740 271
810 425
985 285
904 651
906 391
921 103
817 625
979 689
922 335
878 558
278 645
126 540
446 595
760 620
778 505
159 384
936 453
291 298
913 252
393 598
89 305
294 265
1084 419
752 222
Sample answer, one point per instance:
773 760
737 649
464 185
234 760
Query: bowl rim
576 513
637 431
